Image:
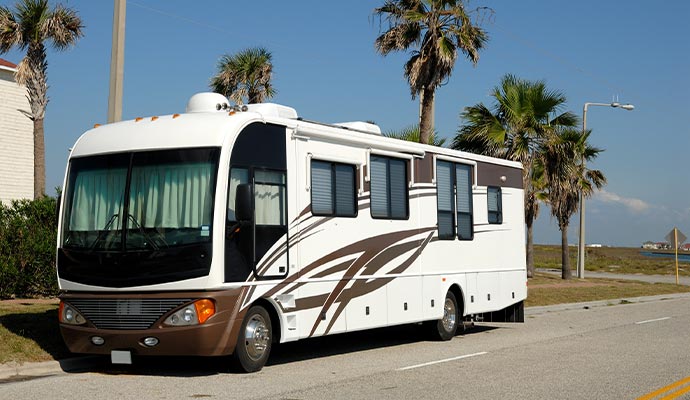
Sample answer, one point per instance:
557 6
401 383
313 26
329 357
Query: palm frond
433 31
10 31
63 26
412 134
245 75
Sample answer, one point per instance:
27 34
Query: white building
16 138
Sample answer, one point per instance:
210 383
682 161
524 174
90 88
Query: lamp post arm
581 238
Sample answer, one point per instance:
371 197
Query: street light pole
581 240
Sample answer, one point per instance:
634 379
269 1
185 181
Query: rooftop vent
273 110
361 126
207 102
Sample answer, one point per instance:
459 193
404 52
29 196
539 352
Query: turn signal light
204 309
192 314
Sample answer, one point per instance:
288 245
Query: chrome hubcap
449 315
257 337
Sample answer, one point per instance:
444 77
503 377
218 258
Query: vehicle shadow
41 328
285 353
353 342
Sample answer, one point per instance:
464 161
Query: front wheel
254 341
445 328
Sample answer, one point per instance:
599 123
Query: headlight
193 314
69 315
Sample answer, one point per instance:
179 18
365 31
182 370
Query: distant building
685 247
595 245
16 138
656 245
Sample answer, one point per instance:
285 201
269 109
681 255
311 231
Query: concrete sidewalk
683 280
15 371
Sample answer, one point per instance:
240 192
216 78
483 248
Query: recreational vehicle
227 229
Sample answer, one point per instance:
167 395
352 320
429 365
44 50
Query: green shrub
27 248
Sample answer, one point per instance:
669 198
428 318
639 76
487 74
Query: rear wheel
445 328
254 341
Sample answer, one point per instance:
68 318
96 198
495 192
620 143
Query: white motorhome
226 229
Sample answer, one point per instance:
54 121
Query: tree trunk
426 119
39 160
565 256
530 250
530 214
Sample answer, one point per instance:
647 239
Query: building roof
7 64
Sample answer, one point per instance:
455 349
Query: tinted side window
389 194
454 201
333 191
464 201
445 200
494 205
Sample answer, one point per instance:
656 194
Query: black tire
254 340
446 327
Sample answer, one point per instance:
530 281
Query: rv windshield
139 218
138 201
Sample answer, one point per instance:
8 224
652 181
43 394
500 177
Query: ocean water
682 257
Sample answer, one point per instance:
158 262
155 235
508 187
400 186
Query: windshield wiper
101 233
146 236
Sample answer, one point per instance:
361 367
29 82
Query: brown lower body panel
217 336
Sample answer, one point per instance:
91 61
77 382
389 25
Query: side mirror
243 203
58 203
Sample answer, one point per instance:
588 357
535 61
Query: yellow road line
666 389
676 394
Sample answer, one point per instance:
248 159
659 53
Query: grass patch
29 332
545 289
624 260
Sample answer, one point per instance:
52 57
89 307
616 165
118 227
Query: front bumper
217 336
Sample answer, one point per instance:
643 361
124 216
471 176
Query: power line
181 18
559 59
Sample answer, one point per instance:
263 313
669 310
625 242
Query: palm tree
245 75
515 128
436 30
411 134
563 160
29 27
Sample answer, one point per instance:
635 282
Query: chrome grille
125 313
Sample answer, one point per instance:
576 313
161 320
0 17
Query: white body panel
340 267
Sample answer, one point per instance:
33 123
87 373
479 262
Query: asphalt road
610 352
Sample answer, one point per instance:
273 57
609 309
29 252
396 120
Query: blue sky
326 67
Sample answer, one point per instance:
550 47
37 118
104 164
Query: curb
538 310
46 368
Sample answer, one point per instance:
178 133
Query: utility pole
117 62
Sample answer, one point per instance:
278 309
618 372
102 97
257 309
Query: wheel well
455 289
275 320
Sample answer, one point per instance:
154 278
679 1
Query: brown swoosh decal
370 245
378 262
281 251
388 255
306 210
371 248
307 303
329 271
362 287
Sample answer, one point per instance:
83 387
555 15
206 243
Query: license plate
121 357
